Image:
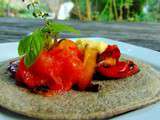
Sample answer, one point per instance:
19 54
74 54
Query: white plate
9 50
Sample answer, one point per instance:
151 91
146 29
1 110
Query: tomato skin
42 62
71 47
70 67
68 56
25 76
59 68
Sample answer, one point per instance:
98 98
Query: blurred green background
94 10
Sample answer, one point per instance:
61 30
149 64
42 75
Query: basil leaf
23 45
31 46
58 27
37 42
29 59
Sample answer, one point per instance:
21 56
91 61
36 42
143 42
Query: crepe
114 97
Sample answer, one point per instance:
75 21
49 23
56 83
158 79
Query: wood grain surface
141 34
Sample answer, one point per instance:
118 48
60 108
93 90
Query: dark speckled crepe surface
115 97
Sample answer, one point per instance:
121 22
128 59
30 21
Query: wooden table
141 34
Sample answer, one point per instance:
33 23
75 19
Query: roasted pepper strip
120 70
110 66
112 51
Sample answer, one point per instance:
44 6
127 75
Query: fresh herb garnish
30 46
42 38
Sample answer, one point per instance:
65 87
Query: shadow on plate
12 115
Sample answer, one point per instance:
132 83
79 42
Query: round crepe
115 97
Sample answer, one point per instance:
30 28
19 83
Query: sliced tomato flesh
59 68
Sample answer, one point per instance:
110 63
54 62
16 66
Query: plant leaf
23 45
29 59
58 27
31 46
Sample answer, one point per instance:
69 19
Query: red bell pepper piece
111 51
120 70
110 66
